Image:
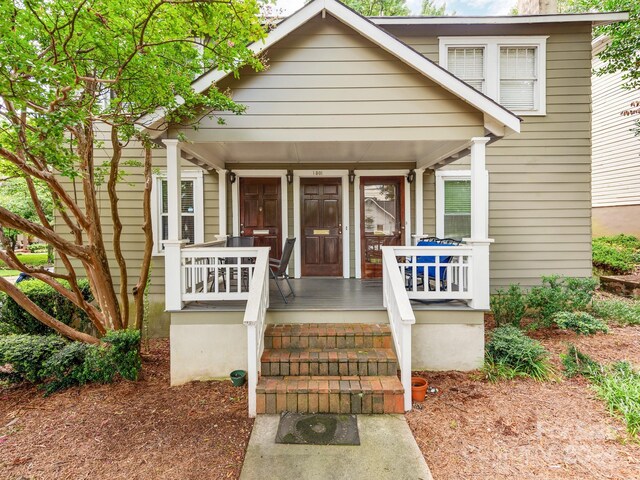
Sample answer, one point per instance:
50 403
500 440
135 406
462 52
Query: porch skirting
207 345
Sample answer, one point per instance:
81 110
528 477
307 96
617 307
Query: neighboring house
616 154
481 128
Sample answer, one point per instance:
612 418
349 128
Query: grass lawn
32 259
9 273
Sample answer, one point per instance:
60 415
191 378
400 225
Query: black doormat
317 429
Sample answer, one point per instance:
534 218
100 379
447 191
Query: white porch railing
215 273
255 320
396 300
436 273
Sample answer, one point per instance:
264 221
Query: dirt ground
522 429
129 430
471 429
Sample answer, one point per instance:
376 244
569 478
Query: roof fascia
597 19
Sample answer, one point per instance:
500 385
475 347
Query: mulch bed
473 429
128 430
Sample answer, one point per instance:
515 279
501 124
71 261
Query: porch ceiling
423 153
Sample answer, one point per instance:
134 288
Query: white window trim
198 206
441 177
491 47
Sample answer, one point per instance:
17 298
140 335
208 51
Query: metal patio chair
278 268
238 242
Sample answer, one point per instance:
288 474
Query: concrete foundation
206 345
447 340
614 220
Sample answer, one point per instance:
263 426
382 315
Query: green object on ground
238 377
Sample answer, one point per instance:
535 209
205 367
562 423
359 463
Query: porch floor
326 294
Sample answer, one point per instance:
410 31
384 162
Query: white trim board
441 177
596 19
297 228
357 213
379 37
198 206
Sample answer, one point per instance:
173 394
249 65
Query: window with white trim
453 204
192 209
510 70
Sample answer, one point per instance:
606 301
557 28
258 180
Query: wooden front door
260 213
382 213
321 211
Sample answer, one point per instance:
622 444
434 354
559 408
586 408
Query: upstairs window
510 70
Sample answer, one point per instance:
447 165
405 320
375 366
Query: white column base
173 280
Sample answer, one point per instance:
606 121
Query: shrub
577 363
26 355
50 301
617 384
511 351
58 364
616 254
78 364
580 322
620 388
618 311
509 306
558 294
37 247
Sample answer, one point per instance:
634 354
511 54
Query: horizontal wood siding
616 149
540 179
130 192
326 82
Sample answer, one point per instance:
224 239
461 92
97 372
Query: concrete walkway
387 450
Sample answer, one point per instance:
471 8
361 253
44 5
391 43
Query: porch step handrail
255 316
396 300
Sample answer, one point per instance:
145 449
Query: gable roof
499 118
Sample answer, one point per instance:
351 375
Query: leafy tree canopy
379 8
430 9
623 52
75 74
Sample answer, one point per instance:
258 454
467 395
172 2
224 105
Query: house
477 128
616 154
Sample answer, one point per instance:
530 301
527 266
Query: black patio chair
238 242
278 268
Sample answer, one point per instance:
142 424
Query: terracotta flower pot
418 389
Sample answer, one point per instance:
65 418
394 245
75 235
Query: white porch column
173 244
419 202
222 201
479 240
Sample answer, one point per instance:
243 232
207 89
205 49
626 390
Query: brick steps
329 368
360 361
330 394
327 335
